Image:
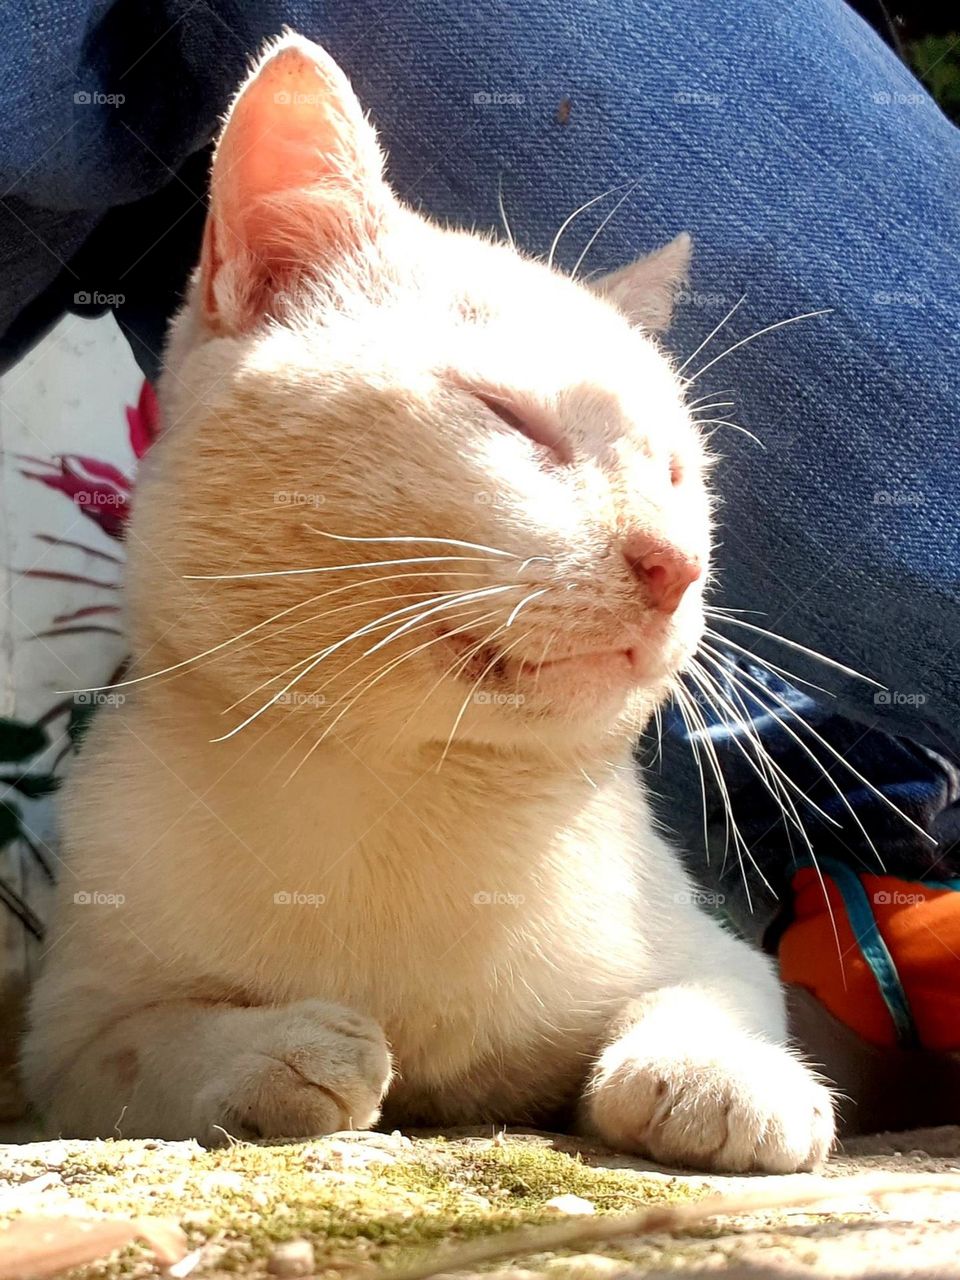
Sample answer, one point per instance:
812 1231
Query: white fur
494 904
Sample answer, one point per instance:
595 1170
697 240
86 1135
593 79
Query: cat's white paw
307 1068
745 1106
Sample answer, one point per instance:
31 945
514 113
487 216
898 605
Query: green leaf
9 822
936 60
19 740
81 713
32 785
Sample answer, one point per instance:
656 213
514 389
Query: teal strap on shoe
873 949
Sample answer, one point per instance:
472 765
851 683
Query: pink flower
100 490
144 420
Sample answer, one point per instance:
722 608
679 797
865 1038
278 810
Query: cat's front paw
744 1106
307 1069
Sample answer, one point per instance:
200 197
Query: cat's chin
616 670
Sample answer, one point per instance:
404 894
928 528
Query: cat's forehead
470 299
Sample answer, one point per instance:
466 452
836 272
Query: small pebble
570 1204
222 1180
585 1266
478 1201
295 1258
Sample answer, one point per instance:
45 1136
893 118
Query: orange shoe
888 962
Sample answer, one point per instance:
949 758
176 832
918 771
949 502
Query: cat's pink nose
664 570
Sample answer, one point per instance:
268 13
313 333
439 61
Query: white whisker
790 676
724 422
320 656
257 626
449 542
327 568
708 742
695 747
503 213
794 644
779 324
600 229
715 330
576 214
498 657
327 613
368 681
533 560
817 737
714 404
724 664
777 775
525 601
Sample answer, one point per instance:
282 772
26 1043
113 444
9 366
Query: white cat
422 546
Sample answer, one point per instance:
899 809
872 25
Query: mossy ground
363 1203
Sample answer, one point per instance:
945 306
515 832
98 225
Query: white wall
66 396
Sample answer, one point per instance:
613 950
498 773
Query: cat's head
481 470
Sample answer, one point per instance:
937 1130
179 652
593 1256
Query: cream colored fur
453 927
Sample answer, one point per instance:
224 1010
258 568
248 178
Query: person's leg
813 172
811 168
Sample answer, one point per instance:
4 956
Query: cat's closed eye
530 420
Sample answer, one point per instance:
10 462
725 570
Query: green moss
359 1204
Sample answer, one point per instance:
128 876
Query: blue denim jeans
812 169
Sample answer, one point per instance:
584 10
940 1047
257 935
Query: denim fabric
810 166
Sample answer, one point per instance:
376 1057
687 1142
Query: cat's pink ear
646 290
297 182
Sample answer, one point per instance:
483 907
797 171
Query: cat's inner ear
297 182
646 290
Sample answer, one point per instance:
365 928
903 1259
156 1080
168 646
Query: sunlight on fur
422 547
